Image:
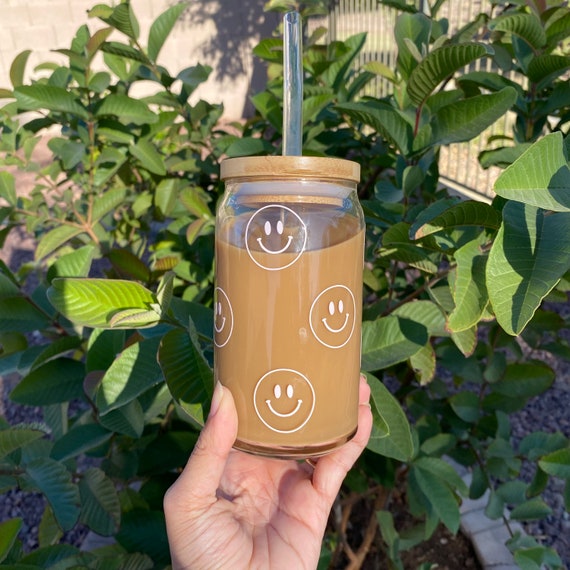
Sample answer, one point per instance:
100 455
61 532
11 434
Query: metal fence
459 166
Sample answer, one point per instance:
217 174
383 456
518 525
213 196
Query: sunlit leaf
525 263
161 28
93 302
540 177
440 64
389 340
391 436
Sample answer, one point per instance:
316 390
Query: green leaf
8 188
426 313
525 25
74 264
525 380
78 440
37 97
103 346
439 496
96 41
161 28
540 177
18 68
336 74
54 481
107 202
440 64
414 27
193 77
466 405
469 290
116 51
145 531
129 265
100 506
313 105
7 287
17 314
58 347
126 109
526 261
547 66
16 437
448 214
465 119
188 375
391 434
133 372
249 146
390 340
423 363
539 443
123 19
149 157
384 119
127 420
557 463
56 381
535 509
8 534
443 471
54 239
49 532
93 302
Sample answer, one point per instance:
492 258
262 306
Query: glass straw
292 85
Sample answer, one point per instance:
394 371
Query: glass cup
288 301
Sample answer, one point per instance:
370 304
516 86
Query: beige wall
220 33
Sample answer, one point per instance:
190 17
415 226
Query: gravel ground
549 413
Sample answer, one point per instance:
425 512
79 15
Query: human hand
232 510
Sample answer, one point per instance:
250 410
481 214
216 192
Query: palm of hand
267 515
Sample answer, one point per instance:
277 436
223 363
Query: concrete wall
220 33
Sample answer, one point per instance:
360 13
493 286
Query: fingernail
216 398
363 378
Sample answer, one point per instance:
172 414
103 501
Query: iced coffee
288 298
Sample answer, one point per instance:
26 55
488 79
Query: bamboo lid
311 167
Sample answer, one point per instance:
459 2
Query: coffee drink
287 314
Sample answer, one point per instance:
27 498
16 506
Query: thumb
200 479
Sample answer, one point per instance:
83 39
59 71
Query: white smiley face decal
272 231
223 318
284 400
332 316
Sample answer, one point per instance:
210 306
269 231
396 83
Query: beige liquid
288 332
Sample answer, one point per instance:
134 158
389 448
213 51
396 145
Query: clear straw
293 85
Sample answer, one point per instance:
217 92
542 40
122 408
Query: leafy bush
121 320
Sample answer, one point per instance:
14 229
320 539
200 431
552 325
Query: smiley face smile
270 251
274 411
333 330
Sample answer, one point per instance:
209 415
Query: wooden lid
283 167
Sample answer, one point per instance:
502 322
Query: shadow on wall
239 25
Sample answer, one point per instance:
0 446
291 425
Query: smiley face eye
219 308
267 228
277 391
289 391
280 227
331 308
340 306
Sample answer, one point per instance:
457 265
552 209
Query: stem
417 292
